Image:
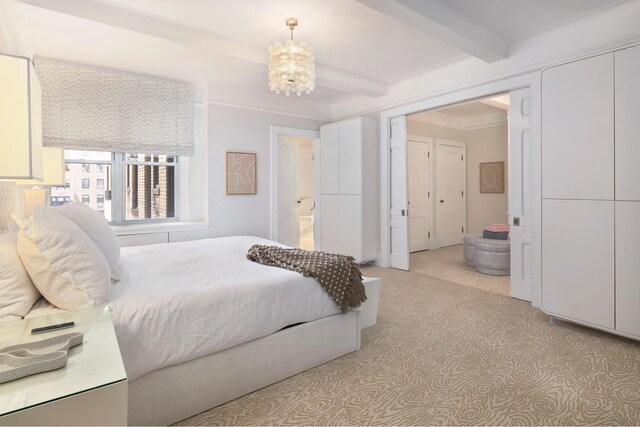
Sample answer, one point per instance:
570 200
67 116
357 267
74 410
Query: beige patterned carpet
448 263
443 353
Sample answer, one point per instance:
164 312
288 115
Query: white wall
238 129
488 144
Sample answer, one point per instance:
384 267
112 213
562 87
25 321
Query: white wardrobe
349 189
591 191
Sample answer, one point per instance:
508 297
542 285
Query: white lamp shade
20 120
52 168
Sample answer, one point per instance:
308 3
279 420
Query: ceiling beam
443 21
231 52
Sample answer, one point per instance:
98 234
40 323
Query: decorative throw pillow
17 292
63 262
98 229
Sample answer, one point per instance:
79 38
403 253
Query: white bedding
180 301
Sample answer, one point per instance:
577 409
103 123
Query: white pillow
65 265
98 230
17 292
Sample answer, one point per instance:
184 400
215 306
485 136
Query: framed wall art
241 173
492 177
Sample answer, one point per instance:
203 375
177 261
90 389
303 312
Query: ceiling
475 108
361 46
467 115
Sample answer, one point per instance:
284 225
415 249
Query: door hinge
462 193
391 132
462 157
429 234
463 229
428 194
428 154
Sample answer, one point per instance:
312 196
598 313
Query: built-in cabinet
349 190
591 191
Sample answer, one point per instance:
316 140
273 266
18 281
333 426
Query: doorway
294 187
484 133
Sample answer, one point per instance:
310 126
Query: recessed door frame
276 132
530 80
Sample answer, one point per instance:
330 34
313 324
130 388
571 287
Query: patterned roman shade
92 109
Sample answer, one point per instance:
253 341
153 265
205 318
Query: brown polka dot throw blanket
338 275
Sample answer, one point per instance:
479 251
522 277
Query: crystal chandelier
291 65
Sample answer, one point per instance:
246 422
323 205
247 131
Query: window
151 186
59 201
128 187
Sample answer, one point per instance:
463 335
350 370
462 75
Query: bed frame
174 393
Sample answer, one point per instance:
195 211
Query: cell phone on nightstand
50 328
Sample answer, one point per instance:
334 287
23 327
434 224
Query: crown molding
479 121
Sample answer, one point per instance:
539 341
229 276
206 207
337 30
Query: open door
520 197
399 214
288 219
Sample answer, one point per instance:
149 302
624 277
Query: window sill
158 227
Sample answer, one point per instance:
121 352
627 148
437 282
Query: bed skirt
177 392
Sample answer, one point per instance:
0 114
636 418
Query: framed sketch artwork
492 177
241 173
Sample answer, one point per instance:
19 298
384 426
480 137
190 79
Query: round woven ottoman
469 249
493 256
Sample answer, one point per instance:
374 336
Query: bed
239 326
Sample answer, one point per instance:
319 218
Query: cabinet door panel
627 124
627 268
351 157
578 130
329 159
341 224
351 226
329 224
578 260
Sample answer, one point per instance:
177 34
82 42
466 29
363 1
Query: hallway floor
448 263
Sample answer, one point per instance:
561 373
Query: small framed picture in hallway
492 177
241 173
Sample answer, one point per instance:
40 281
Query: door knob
441 201
516 222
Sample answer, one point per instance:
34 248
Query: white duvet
180 301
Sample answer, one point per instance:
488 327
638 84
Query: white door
578 136
330 159
578 261
350 157
398 209
451 192
419 189
627 267
288 218
627 130
520 197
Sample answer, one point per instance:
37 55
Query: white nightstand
90 390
